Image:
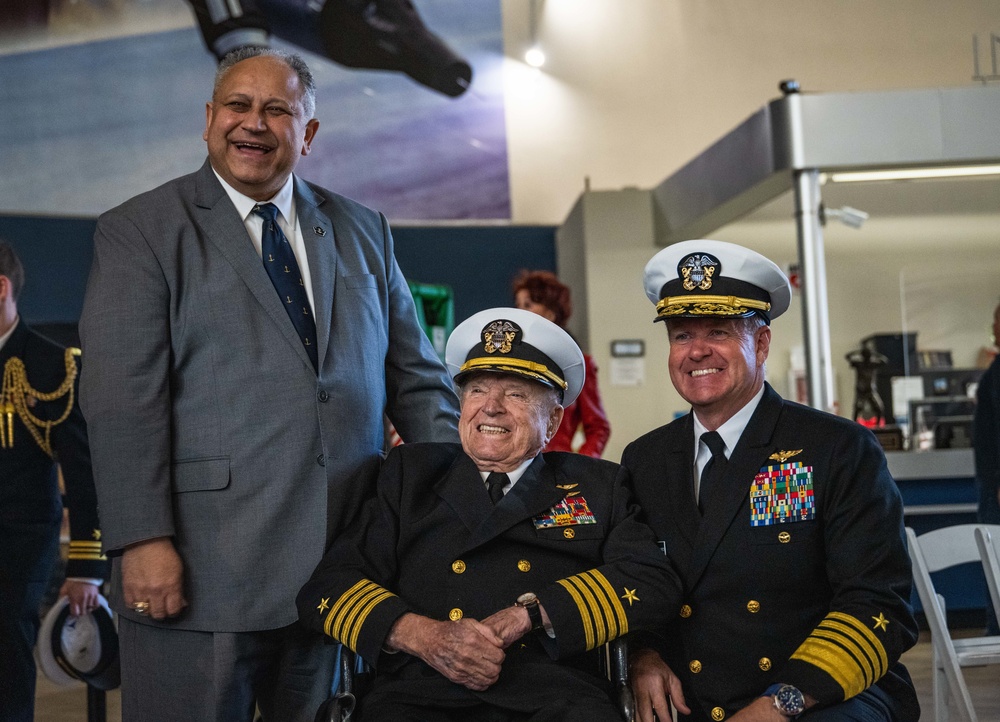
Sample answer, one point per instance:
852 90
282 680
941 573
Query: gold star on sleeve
630 596
96 534
324 605
881 622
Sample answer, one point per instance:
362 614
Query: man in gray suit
245 331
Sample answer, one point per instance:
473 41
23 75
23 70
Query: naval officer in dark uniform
783 521
483 576
40 426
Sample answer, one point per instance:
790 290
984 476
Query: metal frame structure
791 141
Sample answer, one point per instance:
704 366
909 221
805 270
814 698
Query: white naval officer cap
79 649
703 278
518 342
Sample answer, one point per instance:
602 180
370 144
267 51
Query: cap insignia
499 336
697 271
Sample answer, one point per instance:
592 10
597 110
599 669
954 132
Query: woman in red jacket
541 292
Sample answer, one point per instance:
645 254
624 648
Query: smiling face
716 365
506 420
256 127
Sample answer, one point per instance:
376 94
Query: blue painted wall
477 262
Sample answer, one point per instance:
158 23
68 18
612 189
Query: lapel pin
319 231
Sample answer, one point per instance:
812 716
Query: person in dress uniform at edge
543 293
482 577
783 521
40 427
986 443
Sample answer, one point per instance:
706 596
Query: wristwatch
529 601
788 700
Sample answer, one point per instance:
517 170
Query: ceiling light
914 173
534 57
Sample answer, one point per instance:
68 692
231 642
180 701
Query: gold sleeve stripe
592 609
348 614
374 602
831 659
844 630
861 630
600 610
338 610
845 649
85 551
86 556
614 600
863 663
361 608
588 627
349 601
848 638
607 616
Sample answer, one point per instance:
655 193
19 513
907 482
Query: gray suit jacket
207 421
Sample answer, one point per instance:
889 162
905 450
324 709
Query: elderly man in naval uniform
484 576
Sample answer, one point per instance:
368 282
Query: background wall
478 263
631 91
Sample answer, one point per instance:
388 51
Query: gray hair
750 324
293 61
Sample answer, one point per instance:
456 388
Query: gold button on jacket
455 614
686 611
753 606
458 566
718 714
695 666
524 565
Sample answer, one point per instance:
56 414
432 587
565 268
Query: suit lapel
730 505
464 491
321 250
225 230
680 462
534 493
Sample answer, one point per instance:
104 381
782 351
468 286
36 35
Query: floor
59 704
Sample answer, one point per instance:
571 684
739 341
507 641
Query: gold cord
14 396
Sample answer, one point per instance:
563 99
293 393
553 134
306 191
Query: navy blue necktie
279 262
714 471
495 483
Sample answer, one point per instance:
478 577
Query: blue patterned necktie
279 262
715 469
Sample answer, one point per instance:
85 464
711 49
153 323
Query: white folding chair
932 552
988 541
